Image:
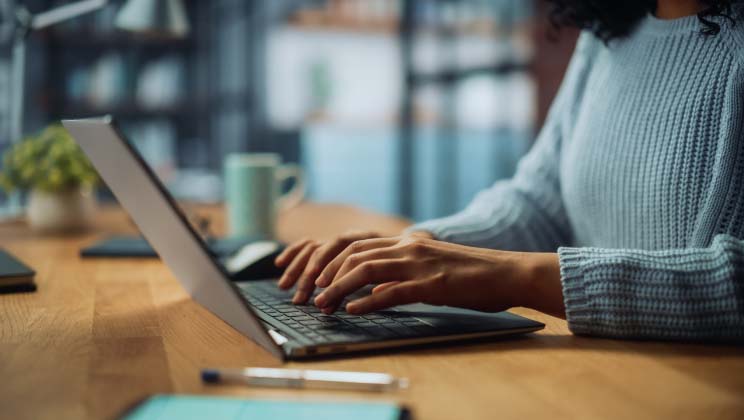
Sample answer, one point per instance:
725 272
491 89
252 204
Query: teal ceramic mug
253 198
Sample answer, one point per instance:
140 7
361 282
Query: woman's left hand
412 270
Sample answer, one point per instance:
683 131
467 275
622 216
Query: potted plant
58 176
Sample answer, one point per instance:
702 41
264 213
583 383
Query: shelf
455 75
321 20
113 39
182 109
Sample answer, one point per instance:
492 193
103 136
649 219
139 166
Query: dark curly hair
609 19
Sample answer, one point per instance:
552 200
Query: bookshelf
177 90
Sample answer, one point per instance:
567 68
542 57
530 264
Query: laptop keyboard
270 303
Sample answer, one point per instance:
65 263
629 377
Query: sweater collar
654 26
685 25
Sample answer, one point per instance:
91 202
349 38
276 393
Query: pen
300 378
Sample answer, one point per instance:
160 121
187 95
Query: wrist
542 289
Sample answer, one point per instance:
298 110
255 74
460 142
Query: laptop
258 309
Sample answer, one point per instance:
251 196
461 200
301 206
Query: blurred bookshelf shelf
322 23
181 109
322 20
456 75
112 39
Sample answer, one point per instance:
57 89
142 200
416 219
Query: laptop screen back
164 226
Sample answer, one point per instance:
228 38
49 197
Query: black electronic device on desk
244 258
15 276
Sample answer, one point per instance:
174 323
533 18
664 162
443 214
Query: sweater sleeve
683 294
524 213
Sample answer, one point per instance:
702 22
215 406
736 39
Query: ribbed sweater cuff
578 308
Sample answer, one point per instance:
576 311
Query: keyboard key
347 327
285 309
384 321
310 310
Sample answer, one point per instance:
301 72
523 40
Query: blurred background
403 107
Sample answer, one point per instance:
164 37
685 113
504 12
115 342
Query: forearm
505 217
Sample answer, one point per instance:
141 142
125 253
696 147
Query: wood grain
99 335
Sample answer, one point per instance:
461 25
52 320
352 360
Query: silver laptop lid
164 226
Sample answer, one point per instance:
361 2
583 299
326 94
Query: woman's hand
304 260
411 270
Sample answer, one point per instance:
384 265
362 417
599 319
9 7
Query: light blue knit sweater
637 180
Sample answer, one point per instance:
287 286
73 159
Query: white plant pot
61 211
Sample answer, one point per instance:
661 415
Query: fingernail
320 282
352 308
320 300
327 310
299 297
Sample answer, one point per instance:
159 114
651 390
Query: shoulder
584 54
733 37
588 44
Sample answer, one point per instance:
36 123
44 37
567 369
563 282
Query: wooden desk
101 334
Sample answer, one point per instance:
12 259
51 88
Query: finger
329 272
324 255
293 271
380 287
368 272
398 294
318 260
354 260
290 252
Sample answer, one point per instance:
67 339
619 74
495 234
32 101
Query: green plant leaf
50 161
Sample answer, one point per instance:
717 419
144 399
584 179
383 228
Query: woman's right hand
304 260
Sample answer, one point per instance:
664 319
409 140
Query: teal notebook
185 407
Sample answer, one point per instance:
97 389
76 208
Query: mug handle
294 196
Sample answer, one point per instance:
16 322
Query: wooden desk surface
101 334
